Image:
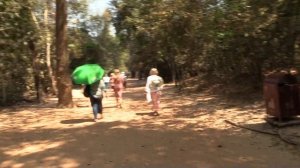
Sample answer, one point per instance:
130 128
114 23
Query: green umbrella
87 74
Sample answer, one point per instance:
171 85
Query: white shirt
106 79
149 81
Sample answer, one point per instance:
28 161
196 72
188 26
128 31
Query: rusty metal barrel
281 94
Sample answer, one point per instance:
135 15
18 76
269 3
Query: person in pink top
154 86
117 83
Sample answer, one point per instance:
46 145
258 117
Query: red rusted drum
281 93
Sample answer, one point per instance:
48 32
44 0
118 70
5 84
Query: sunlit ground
190 132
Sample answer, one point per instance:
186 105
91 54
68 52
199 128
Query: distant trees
231 41
227 41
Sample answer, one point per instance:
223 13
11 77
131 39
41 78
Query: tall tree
48 40
64 83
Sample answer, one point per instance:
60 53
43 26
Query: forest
150 83
219 41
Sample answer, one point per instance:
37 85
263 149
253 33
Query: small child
153 88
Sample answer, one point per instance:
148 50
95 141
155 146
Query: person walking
125 79
153 88
106 80
117 84
95 93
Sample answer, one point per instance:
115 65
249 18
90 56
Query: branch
252 129
279 134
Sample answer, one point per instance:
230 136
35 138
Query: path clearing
189 133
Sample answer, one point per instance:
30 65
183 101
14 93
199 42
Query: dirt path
189 133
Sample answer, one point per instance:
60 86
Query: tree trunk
48 48
36 64
297 52
64 83
36 71
3 92
289 22
296 24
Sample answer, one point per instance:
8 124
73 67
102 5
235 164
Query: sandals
155 113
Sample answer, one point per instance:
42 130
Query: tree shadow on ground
76 121
202 104
148 114
177 138
135 144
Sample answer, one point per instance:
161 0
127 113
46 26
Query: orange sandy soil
189 133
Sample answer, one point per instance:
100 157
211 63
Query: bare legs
118 94
155 96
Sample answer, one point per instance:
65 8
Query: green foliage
228 40
15 32
24 35
94 43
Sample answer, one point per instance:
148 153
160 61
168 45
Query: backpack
86 91
156 83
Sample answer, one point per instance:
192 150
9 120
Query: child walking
153 89
117 84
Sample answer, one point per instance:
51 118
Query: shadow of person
148 114
109 106
76 121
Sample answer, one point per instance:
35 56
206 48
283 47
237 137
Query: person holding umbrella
96 95
91 76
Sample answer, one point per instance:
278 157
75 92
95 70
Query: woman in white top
106 80
153 88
